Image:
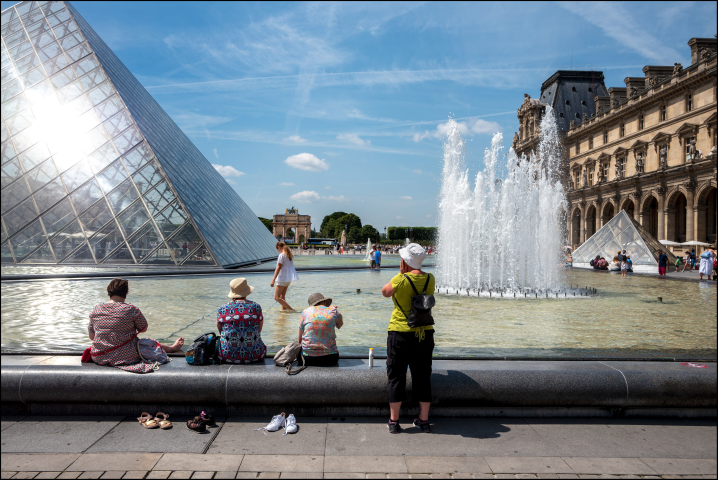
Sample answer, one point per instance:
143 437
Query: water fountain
504 235
367 258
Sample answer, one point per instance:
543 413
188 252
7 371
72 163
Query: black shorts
373 264
318 361
403 349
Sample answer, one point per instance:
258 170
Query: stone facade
650 149
291 220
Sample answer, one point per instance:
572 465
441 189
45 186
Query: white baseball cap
413 255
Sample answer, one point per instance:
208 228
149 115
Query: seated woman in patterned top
317 334
113 329
240 325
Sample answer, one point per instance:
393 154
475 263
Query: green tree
370 232
267 223
328 218
333 224
354 235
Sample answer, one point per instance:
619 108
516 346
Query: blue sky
334 106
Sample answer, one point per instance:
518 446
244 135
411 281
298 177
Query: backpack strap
412 284
426 285
399 307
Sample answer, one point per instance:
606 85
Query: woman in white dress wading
283 275
707 263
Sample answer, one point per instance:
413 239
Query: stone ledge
458 385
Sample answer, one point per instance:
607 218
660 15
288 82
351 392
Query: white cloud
215 153
417 171
469 128
310 196
228 171
617 23
295 139
286 184
230 181
307 161
399 217
406 197
353 138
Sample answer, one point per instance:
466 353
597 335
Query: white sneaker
290 426
278 421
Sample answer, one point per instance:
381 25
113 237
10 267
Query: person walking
707 263
284 274
662 262
687 260
693 258
407 346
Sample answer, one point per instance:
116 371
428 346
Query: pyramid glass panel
622 232
70 111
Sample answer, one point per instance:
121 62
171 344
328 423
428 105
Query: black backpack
204 350
421 305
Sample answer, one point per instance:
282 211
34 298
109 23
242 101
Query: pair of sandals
200 423
159 420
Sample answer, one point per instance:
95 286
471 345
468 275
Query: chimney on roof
656 74
698 45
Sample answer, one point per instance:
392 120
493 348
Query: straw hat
413 255
238 288
315 298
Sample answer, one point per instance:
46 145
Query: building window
590 176
590 142
622 130
605 137
663 113
689 102
560 115
578 147
602 172
620 168
641 122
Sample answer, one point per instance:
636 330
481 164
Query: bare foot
175 347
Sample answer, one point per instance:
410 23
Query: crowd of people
622 262
115 325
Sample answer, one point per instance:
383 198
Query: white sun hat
413 255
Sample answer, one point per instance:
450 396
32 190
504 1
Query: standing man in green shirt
406 346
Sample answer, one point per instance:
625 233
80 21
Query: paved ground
115 447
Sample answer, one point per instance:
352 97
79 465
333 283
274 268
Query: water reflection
624 319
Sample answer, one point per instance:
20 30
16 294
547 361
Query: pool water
624 319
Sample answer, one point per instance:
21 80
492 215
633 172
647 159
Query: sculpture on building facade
584 179
663 157
291 210
600 174
639 163
653 81
677 69
706 53
693 152
516 141
570 182
632 92
618 168
616 102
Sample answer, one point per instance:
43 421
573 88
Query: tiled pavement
111 447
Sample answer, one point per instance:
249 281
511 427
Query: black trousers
403 349
320 361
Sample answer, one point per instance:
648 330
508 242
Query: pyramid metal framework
93 169
622 232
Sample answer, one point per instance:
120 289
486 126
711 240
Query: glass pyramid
622 232
93 170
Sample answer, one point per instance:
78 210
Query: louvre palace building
648 147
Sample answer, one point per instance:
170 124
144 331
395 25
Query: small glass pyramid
622 232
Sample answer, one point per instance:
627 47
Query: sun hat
315 298
238 288
413 255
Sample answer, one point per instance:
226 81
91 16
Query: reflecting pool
625 319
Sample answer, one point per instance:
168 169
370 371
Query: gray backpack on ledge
288 355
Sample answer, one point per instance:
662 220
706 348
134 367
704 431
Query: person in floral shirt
316 331
240 326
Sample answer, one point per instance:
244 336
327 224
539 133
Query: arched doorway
676 227
650 216
705 224
590 222
629 207
608 213
576 228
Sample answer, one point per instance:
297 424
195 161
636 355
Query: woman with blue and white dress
707 263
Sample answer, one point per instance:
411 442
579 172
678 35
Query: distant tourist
406 346
630 264
372 260
693 258
113 329
317 333
662 262
283 275
595 262
377 258
707 263
688 262
240 325
624 266
615 265
619 256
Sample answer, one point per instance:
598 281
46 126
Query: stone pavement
117 447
